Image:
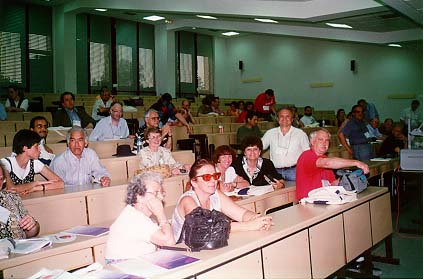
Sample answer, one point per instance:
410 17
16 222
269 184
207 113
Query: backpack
352 180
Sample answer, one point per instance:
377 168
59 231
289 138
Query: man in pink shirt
264 104
315 169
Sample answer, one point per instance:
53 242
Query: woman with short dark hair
253 168
24 164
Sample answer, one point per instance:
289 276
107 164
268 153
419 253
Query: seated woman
154 154
134 233
340 117
22 167
204 192
223 158
252 167
233 110
19 224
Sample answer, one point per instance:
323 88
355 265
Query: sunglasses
208 177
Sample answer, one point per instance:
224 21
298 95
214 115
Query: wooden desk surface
287 221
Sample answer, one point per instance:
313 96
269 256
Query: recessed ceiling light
395 45
100 10
206 17
339 25
267 20
154 18
231 33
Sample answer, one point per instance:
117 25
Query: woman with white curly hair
134 233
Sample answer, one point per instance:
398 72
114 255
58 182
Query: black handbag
205 229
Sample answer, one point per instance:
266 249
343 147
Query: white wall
289 65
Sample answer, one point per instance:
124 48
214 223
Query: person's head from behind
26 141
153 136
116 111
285 117
151 117
186 104
77 140
358 112
252 147
307 111
414 105
223 156
249 106
40 125
203 176
13 92
143 187
374 123
166 98
67 100
105 94
320 141
207 100
252 118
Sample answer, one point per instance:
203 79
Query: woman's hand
27 223
259 222
175 171
278 184
227 187
155 206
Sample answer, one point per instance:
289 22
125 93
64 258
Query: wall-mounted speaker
241 65
353 65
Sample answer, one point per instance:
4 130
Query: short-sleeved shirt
244 131
22 104
262 105
11 228
21 173
130 235
166 111
356 131
308 175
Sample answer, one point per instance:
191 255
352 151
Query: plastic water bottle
323 123
221 128
138 143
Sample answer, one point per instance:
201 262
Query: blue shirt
73 116
374 132
370 112
3 114
355 130
105 130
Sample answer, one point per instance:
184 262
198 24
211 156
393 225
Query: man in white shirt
102 105
112 127
308 119
79 165
40 125
412 113
286 143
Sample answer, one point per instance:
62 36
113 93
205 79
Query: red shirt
308 175
262 105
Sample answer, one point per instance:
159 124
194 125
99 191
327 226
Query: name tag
76 123
265 108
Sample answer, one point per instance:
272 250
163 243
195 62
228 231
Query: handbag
352 180
164 170
205 229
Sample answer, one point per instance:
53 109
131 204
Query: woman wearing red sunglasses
205 193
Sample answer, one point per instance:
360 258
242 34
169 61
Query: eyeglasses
116 111
155 137
208 177
154 118
42 126
156 193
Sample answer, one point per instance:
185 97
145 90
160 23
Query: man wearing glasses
151 119
359 138
286 143
111 127
40 125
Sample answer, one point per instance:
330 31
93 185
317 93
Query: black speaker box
353 65
241 65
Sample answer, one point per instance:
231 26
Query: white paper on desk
260 190
380 159
139 267
4 215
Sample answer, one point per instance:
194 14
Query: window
124 66
99 64
39 45
186 69
10 58
146 68
203 84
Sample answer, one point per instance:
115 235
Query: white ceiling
376 22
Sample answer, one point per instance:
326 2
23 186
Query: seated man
40 125
112 127
307 119
264 104
250 128
314 168
101 106
79 165
70 115
393 143
215 106
186 104
151 119
206 108
373 129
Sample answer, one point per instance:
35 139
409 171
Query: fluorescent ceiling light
154 18
101 10
395 45
267 20
339 25
231 33
206 17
